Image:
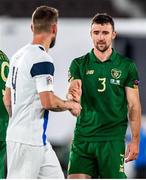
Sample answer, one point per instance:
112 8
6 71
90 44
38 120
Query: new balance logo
90 72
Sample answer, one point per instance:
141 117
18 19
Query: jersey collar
95 59
39 46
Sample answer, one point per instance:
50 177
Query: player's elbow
47 100
134 106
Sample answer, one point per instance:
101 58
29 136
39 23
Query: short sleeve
42 68
132 78
43 73
74 71
44 83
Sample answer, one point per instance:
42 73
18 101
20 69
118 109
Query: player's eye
96 32
105 32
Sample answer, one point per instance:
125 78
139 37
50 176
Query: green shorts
98 159
2 158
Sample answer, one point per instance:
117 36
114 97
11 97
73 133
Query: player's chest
104 75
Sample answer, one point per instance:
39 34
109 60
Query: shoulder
1 52
124 59
20 52
127 63
41 55
42 63
81 59
3 56
32 54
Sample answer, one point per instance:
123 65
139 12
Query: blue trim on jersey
42 68
44 137
41 48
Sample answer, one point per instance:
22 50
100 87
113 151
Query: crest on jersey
49 80
116 73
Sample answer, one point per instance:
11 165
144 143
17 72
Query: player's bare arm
75 90
7 101
134 109
51 102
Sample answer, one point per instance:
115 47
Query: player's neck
40 40
103 56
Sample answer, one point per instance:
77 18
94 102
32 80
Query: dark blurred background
72 8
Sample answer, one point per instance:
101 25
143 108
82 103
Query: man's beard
102 49
53 42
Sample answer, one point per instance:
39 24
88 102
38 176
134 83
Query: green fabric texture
2 158
104 105
98 159
4 69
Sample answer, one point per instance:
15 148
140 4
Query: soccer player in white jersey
29 96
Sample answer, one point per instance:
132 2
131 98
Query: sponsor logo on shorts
121 169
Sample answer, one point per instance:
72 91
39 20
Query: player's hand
76 108
74 95
132 151
75 91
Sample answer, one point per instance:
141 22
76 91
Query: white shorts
26 161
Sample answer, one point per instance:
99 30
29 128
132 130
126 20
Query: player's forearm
75 91
59 105
135 122
52 102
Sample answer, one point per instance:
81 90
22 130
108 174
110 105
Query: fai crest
116 73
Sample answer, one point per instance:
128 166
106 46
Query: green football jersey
104 104
4 68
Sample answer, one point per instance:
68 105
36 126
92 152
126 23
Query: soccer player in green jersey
4 67
106 84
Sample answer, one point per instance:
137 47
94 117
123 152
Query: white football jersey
31 72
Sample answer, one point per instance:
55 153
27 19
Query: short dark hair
43 17
103 18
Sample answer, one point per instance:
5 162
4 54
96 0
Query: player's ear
91 33
54 28
114 35
32 28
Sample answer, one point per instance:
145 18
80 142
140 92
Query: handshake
73 96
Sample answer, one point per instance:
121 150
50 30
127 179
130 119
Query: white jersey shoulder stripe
42 68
